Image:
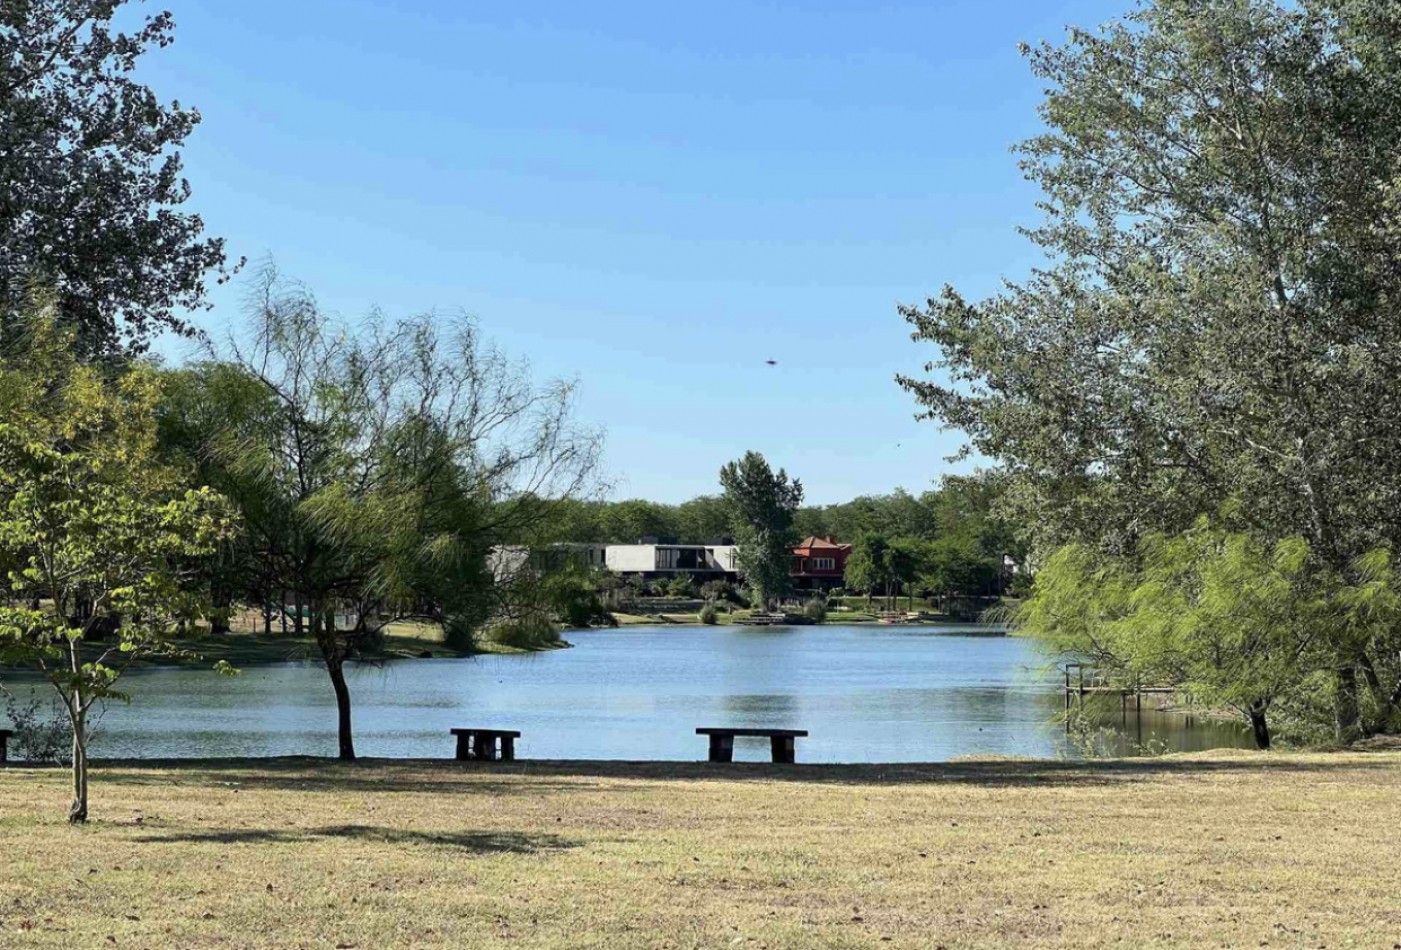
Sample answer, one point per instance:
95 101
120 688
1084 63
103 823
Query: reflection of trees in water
1133 730
757 708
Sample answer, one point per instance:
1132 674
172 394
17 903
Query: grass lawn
1210 850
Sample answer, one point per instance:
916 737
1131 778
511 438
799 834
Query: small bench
480 744
722 742
5 745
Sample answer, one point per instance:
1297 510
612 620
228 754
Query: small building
819 564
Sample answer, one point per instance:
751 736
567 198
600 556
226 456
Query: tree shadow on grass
531 777
473 842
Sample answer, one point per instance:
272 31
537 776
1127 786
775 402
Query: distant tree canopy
963 506
90 177
1215 325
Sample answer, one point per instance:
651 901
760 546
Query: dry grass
1218 850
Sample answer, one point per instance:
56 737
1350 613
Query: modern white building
707 561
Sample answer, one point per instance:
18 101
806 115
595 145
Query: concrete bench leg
464 748
782 749
508 748
722 748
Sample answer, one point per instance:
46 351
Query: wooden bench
5 745
480 744
722 741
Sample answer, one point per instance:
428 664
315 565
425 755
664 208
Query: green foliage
1215 320
709 615
94 527
680 586
533 631
878 564
815 610
762 504
571 595
378 471
1234 621
92 177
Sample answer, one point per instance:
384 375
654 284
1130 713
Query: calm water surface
866 694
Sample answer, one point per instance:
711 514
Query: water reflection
884 694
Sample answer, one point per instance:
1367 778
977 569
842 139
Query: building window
824 564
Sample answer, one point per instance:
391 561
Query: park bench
481 744
5 745
722 741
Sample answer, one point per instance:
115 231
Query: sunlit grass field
1208 850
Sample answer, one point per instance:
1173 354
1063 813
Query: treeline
954 542
963 507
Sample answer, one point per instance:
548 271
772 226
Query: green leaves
762 505
93 527
92 177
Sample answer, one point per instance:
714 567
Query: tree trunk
1347 710
343 732
1259 726
1384 698
78 810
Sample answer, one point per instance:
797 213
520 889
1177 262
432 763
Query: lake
866 694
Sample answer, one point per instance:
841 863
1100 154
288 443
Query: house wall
643 558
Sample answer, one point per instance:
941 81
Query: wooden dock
1077 688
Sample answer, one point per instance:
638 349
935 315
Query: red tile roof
815 543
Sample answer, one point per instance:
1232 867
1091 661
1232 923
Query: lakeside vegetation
1204 850
1190 418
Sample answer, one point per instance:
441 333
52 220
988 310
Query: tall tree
1216 319
378 470
93 527
91 176
762 504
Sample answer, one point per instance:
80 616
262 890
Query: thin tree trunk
343 730
1347 710
78 810
1259 726
1383 697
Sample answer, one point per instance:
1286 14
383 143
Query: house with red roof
819 564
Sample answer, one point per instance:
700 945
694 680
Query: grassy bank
1204 850
245 648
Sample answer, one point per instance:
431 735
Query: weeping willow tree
1235 621
378 468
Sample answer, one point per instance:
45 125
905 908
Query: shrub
41 735
709 615
815 610
531 632
680 586
717 591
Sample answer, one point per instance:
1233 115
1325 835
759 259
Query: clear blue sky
655 198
